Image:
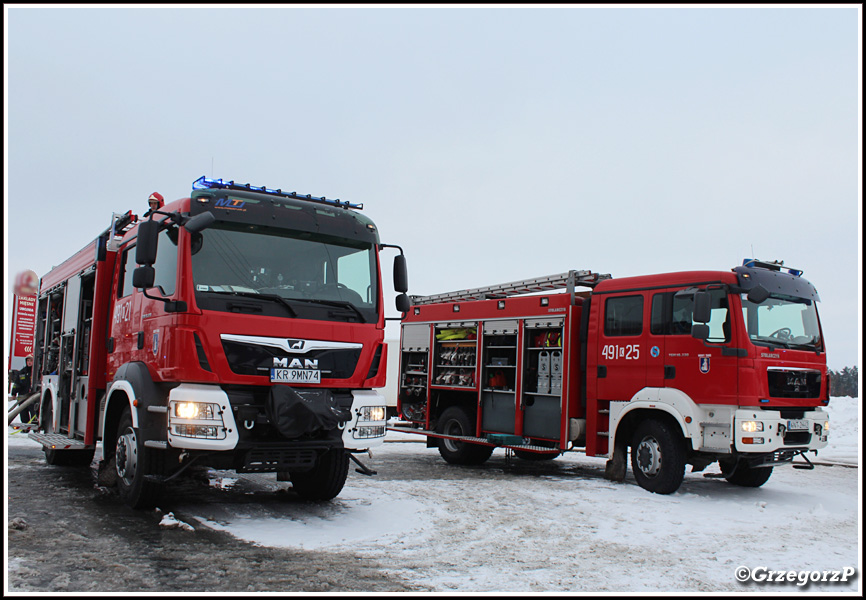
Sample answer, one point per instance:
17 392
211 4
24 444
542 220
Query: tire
62 458
658 457
455 421
132 463
746 476
326 479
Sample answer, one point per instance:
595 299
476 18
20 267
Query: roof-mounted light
204 183
776 265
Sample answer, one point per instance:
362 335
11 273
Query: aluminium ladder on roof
568 280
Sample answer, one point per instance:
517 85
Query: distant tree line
844 382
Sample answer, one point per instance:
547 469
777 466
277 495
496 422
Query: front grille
792 383
252 359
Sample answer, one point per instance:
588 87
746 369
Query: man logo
296 344
296 363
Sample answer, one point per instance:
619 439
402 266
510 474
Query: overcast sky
491 143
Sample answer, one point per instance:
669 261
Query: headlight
372 413
752 426
195 410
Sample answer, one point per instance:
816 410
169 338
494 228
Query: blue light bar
776 265
203 183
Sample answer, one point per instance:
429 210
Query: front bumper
765 431
200 417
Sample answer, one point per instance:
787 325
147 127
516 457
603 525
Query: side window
658 320
623 316
672 315
124 283
720 320
681 323
166 262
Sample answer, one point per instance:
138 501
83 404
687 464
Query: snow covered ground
561 527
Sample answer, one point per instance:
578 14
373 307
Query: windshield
276 272
783 321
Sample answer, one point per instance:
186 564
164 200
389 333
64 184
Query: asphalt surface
67 534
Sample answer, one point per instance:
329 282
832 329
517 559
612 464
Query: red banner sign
23 327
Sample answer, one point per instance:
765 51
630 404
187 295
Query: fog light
197 431
369 431
752 426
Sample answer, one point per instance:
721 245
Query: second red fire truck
681 368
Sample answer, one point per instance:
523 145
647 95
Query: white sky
491 143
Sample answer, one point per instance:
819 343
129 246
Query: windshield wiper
337 303
771 342
271 297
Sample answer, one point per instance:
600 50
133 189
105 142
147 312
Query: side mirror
700 331
199 222
145 247
403 303
758 294
143 277
702 312
401 275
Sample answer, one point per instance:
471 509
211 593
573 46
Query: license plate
296 376
798 425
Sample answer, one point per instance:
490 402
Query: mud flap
614 468
295 414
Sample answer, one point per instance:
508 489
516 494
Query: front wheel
326 479
747 476
658 457
133 462
454 421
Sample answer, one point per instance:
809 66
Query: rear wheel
658 457
133 462
326 479
454 421
747 476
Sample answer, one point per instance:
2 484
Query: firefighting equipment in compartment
547 339
497 381
465 333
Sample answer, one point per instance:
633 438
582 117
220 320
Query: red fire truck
682 368
240 328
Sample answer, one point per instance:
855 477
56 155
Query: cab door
705 370
622 346
125 322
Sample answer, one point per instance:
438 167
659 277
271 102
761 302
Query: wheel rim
649 457
126 455
452 427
